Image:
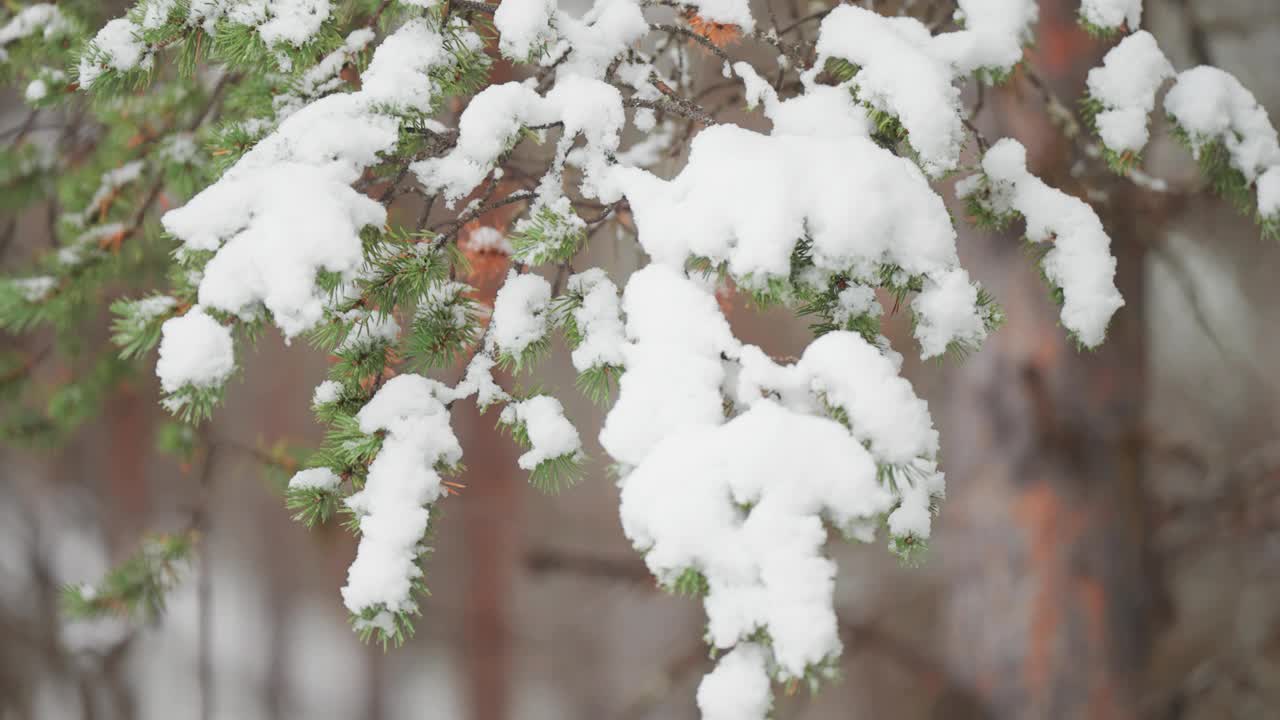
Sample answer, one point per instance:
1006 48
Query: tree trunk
1053 598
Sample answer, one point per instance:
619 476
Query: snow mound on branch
1212 106
1112 13
674 369
520 313
195 351
1080 261
550 433
764 565
402 484
256 228
117 46
285 210
746 199
496 115
738 687
1126 86
842 370
598 320
524 26
905 71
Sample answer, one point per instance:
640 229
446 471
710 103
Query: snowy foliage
348 173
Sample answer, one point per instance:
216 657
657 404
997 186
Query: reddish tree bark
1054 597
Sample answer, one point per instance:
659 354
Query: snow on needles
1126 86
42 18
739 686
403 482
746 199
195 350
520 313
117 46
524 26
908 72
1211 106
754 489
496 115
598 320
763 565
1080 261
1111 14
550 434
286 211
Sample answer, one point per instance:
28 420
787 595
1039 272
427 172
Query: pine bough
279 132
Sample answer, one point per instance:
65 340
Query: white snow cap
587 107
273 250
402 483
739 688
117 46
1212 106
906 71
520 313
44 18
326 392
524 26
900 73
674 368
764 565
285 211
843 370
947 312
551 435
747 198
1080 261
599 320
314 479
725 12
195 350
755 489
599 36
1126 85
1112 13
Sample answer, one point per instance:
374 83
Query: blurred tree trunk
1054 598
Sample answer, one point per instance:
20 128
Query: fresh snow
908 72
43 18
286 211
520 313
326 392
732 464
314 479
117 46
1112 13
524 26
1080 260
1212 106
195 351
739 686
1126 86
551 435
598 320
402 484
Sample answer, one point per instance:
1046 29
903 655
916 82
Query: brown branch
686 32
542 561
691 113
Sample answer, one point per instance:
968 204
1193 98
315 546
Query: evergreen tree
212 168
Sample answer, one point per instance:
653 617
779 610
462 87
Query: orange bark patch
1050 524
719 34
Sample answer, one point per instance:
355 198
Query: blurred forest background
1110 547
